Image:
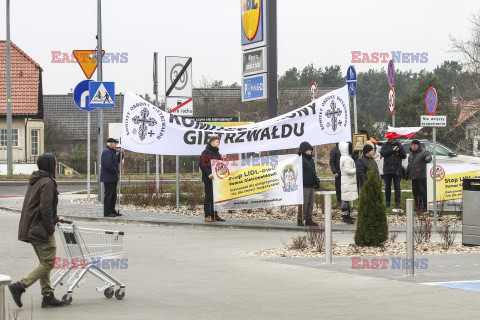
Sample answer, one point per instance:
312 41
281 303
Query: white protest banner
450 184
257 182
147 129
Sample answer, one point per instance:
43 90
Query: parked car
444 154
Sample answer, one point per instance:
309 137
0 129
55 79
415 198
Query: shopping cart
85 249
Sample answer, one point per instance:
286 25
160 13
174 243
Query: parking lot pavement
199 273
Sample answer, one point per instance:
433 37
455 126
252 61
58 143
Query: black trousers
338 187
110 198
388 178
419 188
208 201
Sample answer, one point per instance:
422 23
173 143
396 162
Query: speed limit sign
391 100
178 77
313 91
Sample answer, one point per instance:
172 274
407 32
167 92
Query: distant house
468 122
27 106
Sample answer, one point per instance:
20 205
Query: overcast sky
318 32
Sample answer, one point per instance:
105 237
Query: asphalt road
199 273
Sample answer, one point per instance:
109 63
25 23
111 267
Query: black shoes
16 289
51 301
347 218
310 223
111 215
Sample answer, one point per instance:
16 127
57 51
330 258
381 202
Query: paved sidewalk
95 213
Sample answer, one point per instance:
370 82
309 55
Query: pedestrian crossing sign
102 94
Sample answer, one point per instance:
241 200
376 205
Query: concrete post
328 228
410 238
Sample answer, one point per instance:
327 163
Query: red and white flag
394 133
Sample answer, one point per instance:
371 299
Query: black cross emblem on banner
334 113
144 123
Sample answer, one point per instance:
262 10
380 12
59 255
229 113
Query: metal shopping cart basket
85 249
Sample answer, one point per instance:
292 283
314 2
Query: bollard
4 280
148 168
410 238
328 228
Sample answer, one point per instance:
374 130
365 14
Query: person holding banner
417 171
335 167
393 153
349 180
211 152
310 182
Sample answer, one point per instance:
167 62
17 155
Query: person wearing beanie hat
417 171
310 182
393 153
364 163
109 173
37 227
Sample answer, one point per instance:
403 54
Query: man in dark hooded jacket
37 226
310 182
335 167
417 171
211 152
393 153
109 176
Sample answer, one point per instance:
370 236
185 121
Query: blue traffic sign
391 73
254 88
352 80
102 94
81 96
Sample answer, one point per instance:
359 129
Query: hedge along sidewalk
88 212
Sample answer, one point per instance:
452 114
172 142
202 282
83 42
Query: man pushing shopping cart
37 226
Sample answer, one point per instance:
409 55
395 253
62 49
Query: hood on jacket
37 175
46 162
304 146
212 148
343 147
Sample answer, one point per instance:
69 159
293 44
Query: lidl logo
251 18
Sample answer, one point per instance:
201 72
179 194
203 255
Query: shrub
372 227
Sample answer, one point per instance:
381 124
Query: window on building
35 144
3 137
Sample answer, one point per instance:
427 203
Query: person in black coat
211 152
310 182
109 176
335 167
364 164
393 153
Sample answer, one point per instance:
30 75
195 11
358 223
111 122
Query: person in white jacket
349 180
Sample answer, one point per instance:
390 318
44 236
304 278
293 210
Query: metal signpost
9 99
179 91
100 110
431 102
352 90
155 92
391 80
82 100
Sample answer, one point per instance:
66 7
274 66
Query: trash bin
471 212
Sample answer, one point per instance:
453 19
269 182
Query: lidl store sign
252 21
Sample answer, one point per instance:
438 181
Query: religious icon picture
359 140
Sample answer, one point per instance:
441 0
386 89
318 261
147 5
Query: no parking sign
431 101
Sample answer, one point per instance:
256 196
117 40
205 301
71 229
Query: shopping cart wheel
67 301
108 292
120 293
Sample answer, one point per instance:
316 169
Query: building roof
26 83
469 110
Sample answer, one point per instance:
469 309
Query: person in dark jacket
37 226
364 164
109 176
210 152
417 171
310 182
393 153
335 167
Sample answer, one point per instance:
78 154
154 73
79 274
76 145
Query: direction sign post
431 102
352 90
179 91
81 99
